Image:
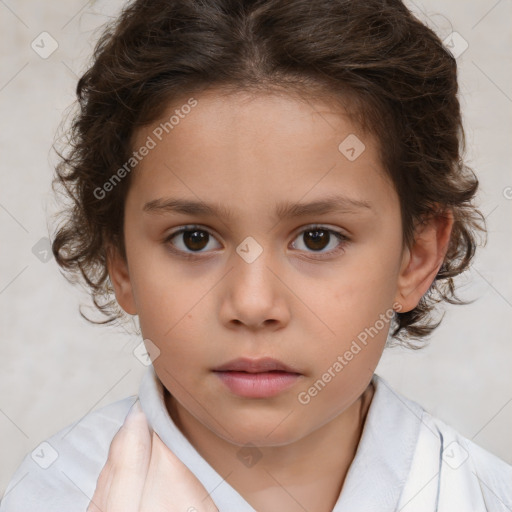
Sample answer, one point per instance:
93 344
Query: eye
190 238
316 238
194 239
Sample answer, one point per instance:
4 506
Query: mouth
257 378
262 365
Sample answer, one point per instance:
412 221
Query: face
248 276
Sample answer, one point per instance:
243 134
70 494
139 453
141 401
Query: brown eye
317 238
189 240
195 240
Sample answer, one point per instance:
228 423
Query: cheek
171 312
352 303
166 297
353 314
183 360
349 357
365 284
342 370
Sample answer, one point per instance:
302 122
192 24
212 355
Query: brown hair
389 70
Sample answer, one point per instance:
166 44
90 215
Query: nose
253 294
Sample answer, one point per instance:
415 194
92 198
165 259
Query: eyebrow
330 204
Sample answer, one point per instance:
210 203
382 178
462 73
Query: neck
306 474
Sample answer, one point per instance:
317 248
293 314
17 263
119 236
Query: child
264 128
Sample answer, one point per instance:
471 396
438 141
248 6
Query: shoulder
467 468
484 461
445 470
61 472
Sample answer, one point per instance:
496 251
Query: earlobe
120 278
422 261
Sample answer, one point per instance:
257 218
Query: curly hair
391 73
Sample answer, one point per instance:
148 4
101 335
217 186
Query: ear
120 278
422 261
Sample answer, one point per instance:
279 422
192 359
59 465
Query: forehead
251 147
243 118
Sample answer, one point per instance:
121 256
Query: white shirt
406 461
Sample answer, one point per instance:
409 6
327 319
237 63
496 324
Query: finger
121 482
98 502
170 486
131 456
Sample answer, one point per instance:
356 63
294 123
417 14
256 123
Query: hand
142 475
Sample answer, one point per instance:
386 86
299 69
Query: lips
262 365
257 378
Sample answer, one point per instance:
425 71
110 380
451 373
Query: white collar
382 461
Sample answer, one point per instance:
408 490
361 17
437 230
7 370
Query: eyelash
194 255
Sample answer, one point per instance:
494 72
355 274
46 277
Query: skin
304 307
137 473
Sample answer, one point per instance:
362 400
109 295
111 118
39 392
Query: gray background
56 367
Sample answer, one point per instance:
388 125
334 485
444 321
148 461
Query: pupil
195 240
315 237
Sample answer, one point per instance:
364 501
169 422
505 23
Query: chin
262 433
